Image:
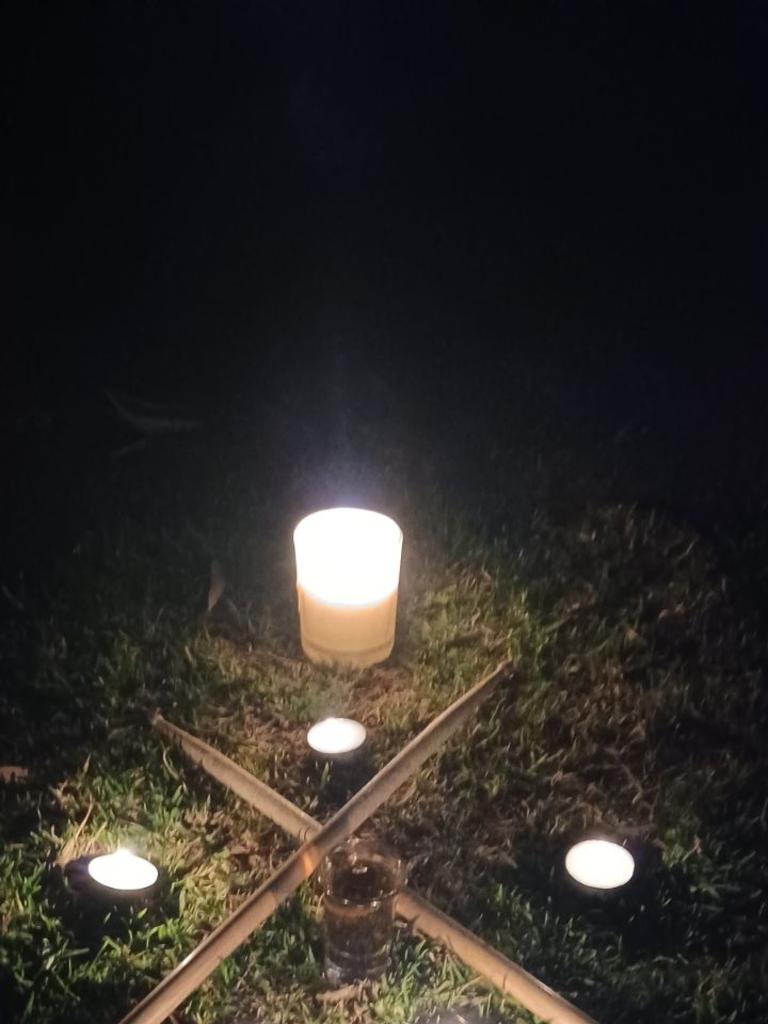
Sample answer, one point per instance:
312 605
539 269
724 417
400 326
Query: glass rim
394 863
314 519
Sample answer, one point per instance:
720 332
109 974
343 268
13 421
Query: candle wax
123 870
600 864
336 736
356 635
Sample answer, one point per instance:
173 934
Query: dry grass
640 706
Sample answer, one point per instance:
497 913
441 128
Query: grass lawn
640 704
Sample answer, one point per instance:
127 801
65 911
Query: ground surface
591 551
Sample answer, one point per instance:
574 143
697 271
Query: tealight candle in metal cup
600 864
337 739
122 873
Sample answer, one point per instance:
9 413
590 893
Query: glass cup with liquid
360 881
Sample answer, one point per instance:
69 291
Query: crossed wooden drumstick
317 841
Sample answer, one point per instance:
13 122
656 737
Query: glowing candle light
600 864
336 736
122 870
347 575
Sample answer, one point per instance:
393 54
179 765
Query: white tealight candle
123 870
336 736
347 575
600 864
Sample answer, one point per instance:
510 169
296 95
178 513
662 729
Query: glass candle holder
347 577
360 880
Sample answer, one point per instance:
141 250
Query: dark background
552 215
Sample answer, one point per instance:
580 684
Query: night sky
198 194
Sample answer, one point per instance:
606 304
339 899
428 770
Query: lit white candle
336 736
122 870
600 864
347 575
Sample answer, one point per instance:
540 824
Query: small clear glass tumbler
360 880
